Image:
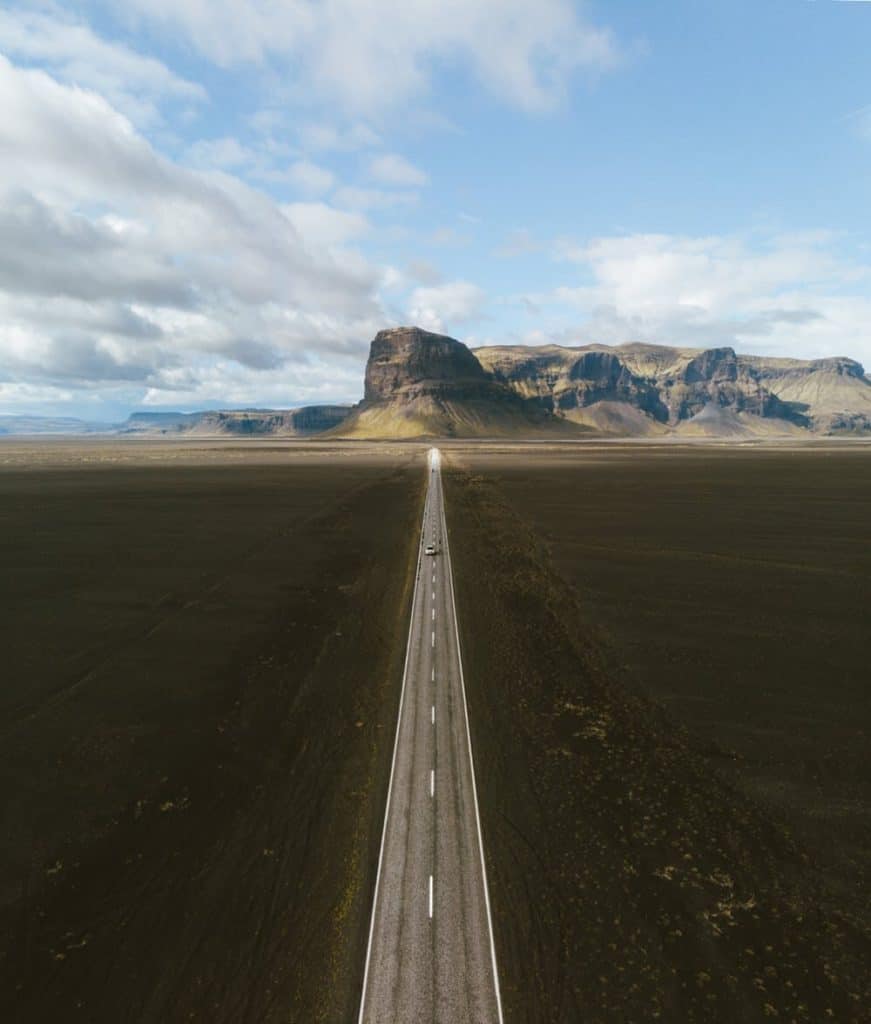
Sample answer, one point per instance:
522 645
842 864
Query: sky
217 203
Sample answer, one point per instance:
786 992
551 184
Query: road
430 955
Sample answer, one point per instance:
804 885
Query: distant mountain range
312 419
420 384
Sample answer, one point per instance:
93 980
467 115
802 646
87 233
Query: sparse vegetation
634 879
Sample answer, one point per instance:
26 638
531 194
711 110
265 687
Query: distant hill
424 384
311 419
22 425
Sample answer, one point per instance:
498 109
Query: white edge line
393 763
471 762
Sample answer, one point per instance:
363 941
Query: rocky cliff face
709 391
423 384
407 362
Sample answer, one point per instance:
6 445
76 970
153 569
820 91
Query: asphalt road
430 955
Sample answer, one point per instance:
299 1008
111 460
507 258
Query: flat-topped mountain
418 383
423 384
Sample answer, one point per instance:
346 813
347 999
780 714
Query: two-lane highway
430 955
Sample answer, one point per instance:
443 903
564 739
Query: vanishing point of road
431 955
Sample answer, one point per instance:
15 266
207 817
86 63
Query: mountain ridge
423 384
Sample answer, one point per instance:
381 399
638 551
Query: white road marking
433 595
433 714
432 782
430 895
433 577
433 675
433 614
433 639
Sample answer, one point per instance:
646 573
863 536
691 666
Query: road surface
430 956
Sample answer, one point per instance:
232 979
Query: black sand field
666 666
202 649
670 714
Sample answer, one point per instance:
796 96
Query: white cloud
322 224
374 55
310 177
319 136
439 307
709 273
223 152
787 295
74 53
372 198
392 169
425 272
120 268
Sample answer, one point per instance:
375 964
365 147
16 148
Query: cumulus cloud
310 177
320 136
374 55
118 266
392 169
442 306
222 152
325 225
785 294
134 84
355 198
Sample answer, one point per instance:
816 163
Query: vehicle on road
430 549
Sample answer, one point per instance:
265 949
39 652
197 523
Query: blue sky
218 202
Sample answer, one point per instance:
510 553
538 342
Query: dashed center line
433 714
433 638
432 782
433 614
430 895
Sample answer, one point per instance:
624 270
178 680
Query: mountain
311 419
423 384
